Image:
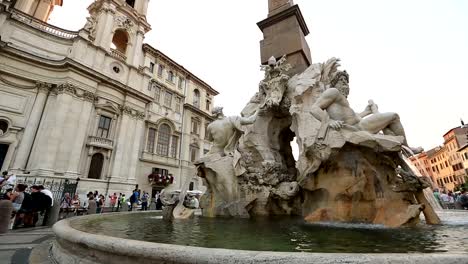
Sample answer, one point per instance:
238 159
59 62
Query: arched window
95 168
120 41
164 135
196 98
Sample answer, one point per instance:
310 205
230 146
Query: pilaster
32 126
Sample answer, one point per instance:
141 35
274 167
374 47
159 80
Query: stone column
80 136
135 151
104 30
32 126
119 149
135 57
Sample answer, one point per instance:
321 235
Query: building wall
58 89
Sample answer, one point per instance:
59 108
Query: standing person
4 178
158 201
41 202
132 200
144 201
17 197
75 204
113 201
100 204
92 206
122 201
65 205
119 202
48 209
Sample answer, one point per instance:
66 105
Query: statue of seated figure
333 107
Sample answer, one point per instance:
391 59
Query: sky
408 56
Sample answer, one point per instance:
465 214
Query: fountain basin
77 242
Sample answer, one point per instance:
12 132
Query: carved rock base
355 185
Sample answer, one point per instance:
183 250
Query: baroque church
97 104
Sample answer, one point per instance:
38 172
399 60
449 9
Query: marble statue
275 82
334 103
224 132
350 166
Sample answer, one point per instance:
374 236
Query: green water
286 234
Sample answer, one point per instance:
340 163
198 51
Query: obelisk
284 32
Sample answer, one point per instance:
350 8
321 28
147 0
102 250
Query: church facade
97 104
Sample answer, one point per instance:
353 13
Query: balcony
42 26
157 159
118 55
100 142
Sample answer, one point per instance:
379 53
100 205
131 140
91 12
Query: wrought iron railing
42 26
57 186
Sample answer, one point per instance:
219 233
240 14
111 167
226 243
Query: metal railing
42 26
57 186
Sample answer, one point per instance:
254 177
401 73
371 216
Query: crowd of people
27 206
31 202
452 200
96 203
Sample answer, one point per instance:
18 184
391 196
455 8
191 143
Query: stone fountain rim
156 252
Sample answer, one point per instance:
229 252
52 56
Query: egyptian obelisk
284 32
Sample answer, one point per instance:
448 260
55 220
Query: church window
195 126
151 67
150 141
103 127
120 41
157 94
130 3
193 153
160 70
95 168
164 134
208 105
168 99
206 130
174 146
170 76
181 82
177 104
196 98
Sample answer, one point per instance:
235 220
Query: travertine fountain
350 166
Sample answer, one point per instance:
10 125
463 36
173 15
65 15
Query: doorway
3 153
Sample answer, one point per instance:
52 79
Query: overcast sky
408 56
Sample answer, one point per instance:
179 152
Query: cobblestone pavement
16 245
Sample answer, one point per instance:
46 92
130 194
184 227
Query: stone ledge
74 246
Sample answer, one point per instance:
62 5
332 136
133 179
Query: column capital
43 87
66 88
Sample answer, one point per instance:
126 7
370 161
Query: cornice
198 111
69 64
189 75
276 18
